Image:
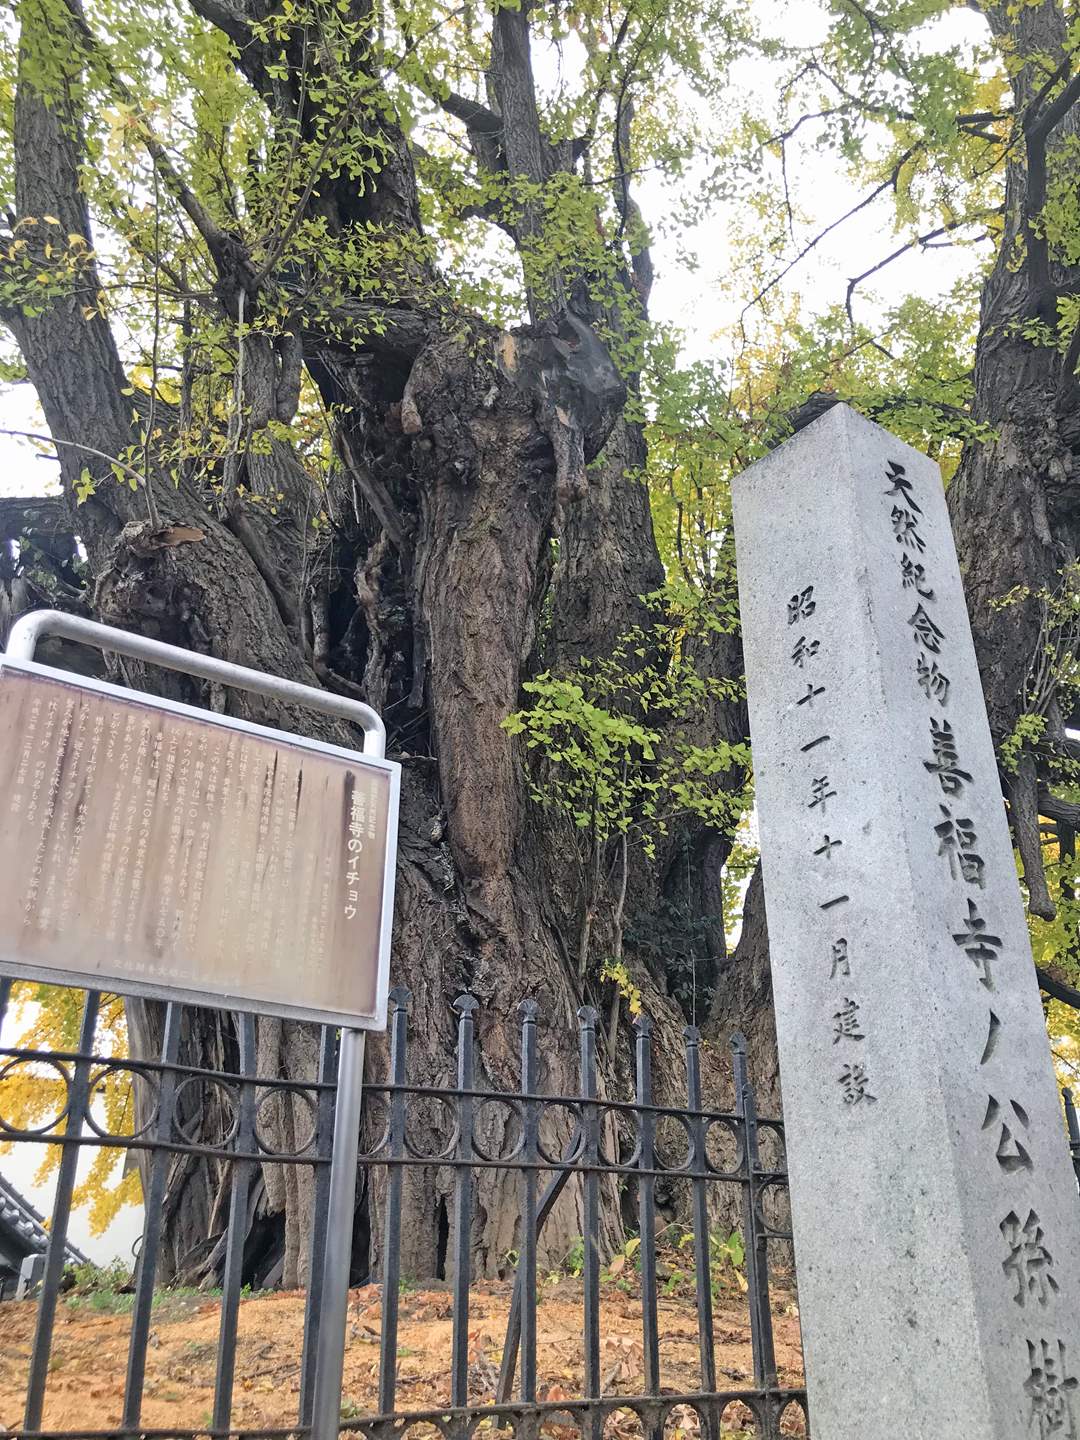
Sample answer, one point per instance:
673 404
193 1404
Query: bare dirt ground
86 1375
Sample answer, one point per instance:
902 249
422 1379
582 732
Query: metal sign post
59 727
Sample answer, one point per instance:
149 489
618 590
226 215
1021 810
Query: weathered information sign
936 1218
173 853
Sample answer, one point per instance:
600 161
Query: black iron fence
604 1142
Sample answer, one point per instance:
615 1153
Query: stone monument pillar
936 1216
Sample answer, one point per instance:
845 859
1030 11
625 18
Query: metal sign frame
22 643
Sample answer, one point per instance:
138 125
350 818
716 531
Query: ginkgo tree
337 312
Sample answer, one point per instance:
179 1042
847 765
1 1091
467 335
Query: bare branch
921 241
889 183
131 473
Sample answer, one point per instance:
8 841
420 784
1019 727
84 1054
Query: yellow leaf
50 220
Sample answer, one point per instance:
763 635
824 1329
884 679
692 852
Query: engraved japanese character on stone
993 1032
913 577
1012 1155
820 794
827 846
904 528
932 679
1029 1264
1049 1387
840 960
855 1085
926 632
901 485
801 605
846 1023
804 650
812 692
946 762
956 841
978 944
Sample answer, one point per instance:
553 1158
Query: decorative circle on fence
12 1069
554 1132
486 1115
724 1146
444 1131
674 1144
304 1140
772 1151
199 1103
98 1079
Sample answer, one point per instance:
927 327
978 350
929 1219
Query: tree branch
1024 805
222 246
38 515
888 184
1057 989
922 241
1055 808
1037 125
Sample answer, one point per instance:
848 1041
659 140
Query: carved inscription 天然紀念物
913 576
933 681
926 632
901 485
905 527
